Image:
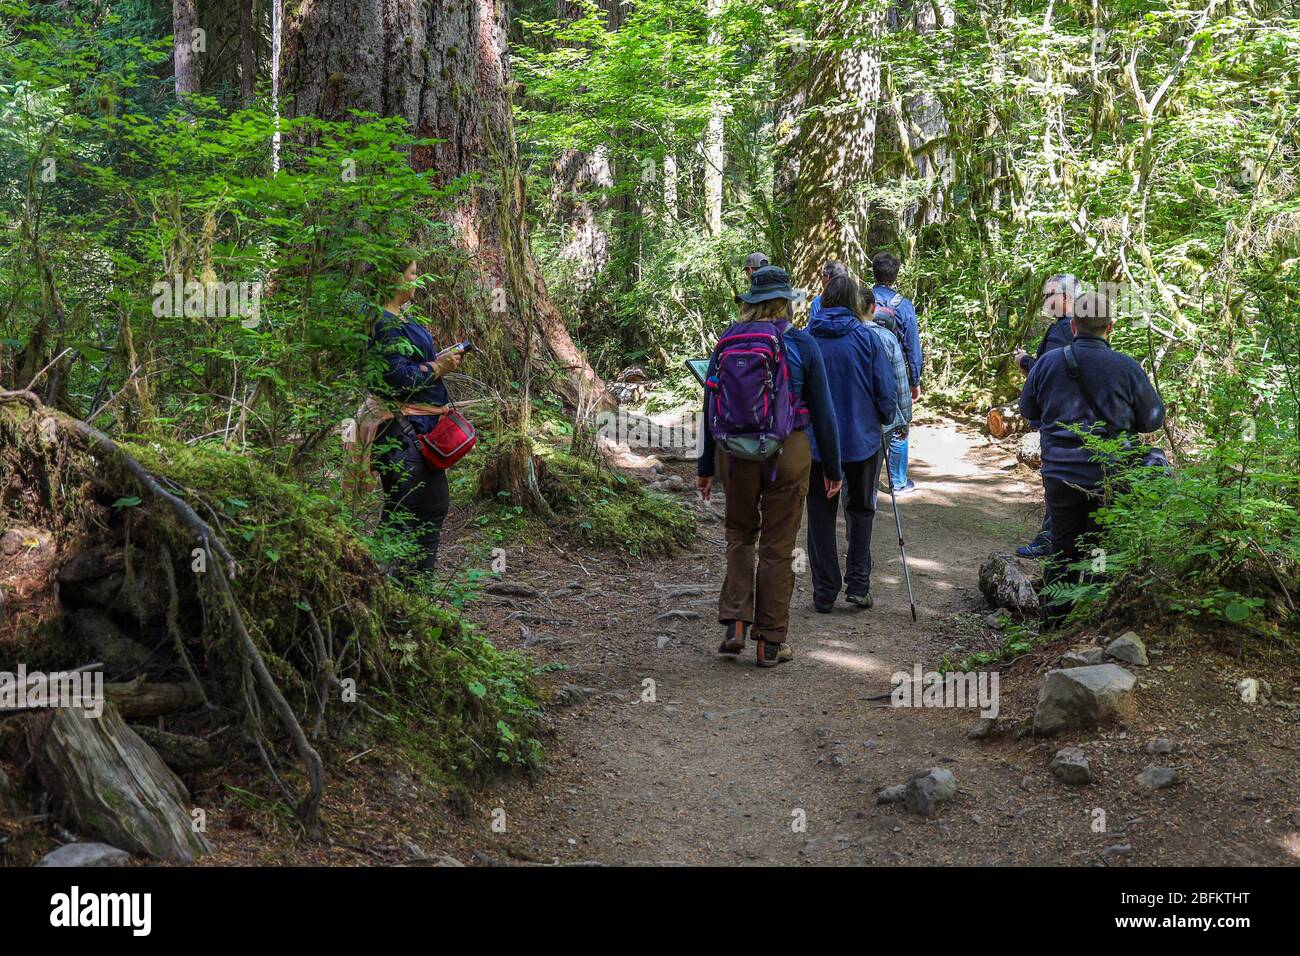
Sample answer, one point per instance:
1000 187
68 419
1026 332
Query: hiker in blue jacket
1059 293
765 498
863 394
1110 394
899 309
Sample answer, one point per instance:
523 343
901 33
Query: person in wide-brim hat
770 282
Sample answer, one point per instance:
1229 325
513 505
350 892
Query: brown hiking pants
763 518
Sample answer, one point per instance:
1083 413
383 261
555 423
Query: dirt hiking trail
732 764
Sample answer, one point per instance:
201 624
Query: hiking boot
861 600
771 653
734 641
907 489
823 608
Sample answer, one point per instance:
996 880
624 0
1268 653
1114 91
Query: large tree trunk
577 180
442 66
185 17
835 140
247 70
713 145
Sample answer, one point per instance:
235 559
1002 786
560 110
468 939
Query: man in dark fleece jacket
864 396
1111 387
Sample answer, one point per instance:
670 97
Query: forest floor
729 759
733 764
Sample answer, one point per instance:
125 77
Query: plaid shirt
902 387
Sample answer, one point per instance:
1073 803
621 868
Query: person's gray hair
833 268
1067 283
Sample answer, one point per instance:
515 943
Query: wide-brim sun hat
770 282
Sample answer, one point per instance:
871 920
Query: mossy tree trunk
443 67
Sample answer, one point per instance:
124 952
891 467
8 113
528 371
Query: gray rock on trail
110 784
894 794
1160 745
927 790
1082 697
1129 649
85 854
572 694
1005 583
984 728
1158 778
1070 766
1083 657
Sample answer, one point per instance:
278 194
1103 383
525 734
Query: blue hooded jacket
861 379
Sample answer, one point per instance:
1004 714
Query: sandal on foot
734 642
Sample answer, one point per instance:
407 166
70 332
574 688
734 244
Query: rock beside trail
983 728
1129 649
85 854
1004 582
927 790
1070 766
1083 657
894 794
1160 745
1082 698
572 694
1158 778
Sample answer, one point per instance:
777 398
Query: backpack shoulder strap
1076 374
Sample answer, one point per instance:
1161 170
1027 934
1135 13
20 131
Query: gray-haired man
1059 294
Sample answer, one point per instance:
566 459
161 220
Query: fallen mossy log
178 751
206 542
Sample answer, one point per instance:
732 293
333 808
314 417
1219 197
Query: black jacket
1123 395
1058 335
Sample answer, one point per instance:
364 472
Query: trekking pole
898 522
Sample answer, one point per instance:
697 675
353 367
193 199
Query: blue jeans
898 461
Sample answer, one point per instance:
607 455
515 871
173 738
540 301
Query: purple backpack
751 408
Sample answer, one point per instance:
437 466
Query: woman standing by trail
411 370
766 386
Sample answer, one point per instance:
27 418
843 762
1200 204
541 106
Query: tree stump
110 784
1006 420
1029 451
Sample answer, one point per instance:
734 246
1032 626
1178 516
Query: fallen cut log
1029 450
110 784
138 698
178 751
1006 420
1005 583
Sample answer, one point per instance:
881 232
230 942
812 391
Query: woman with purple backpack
766 387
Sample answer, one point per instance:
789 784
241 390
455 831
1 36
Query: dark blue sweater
861 378
402 346
807 386
1120 388
1058 335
